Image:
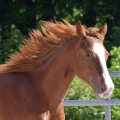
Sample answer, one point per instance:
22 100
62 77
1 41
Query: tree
26 14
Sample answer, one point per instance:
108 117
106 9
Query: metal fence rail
91 102
107 103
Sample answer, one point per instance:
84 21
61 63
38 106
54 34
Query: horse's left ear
80 31
103 30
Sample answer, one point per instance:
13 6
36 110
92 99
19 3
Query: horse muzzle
105 91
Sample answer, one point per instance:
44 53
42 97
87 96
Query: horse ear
80 30
103 30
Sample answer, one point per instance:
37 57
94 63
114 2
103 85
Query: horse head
91 60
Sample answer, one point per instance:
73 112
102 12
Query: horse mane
39 46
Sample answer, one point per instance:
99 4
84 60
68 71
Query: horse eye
88 54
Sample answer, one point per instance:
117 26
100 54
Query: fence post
108 111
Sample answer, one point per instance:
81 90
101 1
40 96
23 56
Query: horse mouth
103 96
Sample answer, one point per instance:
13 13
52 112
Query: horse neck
55 75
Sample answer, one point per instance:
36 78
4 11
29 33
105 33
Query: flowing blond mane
39 47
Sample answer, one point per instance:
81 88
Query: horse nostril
103 88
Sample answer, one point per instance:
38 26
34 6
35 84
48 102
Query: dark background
17 17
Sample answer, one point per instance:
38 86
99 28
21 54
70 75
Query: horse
35 80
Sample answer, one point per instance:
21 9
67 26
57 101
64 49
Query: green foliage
9 46
116 37
26 14
115 66
115 59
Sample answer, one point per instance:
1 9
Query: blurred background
18 17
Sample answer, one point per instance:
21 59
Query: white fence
107 103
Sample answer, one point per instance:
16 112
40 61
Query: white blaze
100 51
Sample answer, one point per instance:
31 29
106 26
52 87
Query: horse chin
103 96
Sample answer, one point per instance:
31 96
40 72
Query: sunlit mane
39 47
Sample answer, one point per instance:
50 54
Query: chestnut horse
35 81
